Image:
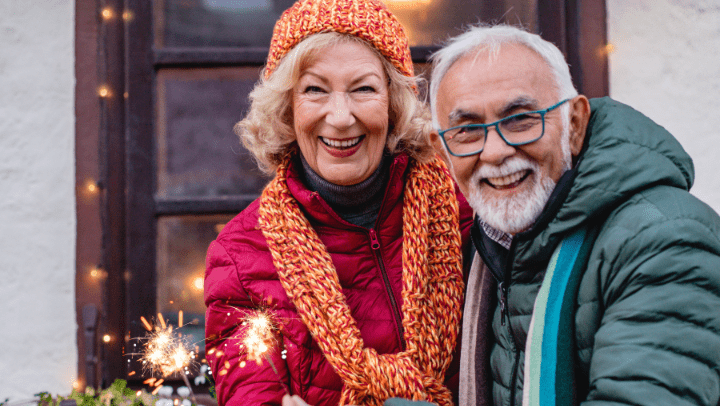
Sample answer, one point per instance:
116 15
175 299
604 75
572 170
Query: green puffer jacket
647 327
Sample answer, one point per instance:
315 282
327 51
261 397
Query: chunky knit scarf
432 290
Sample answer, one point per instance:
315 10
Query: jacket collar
318 210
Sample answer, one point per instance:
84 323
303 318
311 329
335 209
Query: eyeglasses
518 129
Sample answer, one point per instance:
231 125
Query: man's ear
579 118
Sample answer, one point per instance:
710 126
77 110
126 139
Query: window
170 169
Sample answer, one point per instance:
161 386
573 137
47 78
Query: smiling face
340 113
508 186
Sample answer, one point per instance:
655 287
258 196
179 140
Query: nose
340 113
496 150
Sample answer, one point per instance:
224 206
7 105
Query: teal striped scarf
549 353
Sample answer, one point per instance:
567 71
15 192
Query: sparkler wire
277 375
264 322
192 394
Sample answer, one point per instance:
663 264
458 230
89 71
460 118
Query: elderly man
599 278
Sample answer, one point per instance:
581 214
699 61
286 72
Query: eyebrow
521 102
354 81
460 115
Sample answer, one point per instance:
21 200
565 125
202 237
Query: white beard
518 213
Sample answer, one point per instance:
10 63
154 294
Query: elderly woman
353 251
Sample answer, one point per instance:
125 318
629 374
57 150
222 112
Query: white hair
485 37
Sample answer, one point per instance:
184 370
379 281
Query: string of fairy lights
164 351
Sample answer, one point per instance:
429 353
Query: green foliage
118 394
45 398
211 389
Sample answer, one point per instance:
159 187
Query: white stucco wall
666 64
38 349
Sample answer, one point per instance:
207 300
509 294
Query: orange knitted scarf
432 290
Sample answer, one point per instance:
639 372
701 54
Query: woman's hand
293 401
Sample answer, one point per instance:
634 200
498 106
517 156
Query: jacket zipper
503 303
375 245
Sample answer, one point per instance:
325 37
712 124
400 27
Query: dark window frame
116 230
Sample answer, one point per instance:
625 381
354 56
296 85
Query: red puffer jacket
241 279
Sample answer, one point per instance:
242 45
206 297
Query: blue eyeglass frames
518 129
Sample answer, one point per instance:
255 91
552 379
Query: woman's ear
579 118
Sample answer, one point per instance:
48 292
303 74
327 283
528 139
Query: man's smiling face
507 186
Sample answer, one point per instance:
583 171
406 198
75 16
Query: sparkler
259 339
166 352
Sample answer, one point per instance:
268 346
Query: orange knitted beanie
369 20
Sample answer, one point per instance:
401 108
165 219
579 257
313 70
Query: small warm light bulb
198 283
127 15
106 338
76 384
97 272
138 393
103 91
90 187
107 13
606 49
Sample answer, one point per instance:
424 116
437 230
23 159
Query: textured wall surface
666 64
38 349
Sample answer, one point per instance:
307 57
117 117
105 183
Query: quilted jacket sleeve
658 339
238 381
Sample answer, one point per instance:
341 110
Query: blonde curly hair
267 130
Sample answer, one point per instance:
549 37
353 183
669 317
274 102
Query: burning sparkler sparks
166 352
259 339
260 335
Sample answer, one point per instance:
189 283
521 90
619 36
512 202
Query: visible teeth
351 142
507 180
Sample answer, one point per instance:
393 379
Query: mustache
510 166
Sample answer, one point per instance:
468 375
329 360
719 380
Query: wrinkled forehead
503 56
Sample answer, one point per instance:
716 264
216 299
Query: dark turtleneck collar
357 204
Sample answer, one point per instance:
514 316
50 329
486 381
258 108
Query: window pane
198 152
430 22
249 23
182 243
216 23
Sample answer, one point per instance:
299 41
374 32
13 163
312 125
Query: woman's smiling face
340 113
